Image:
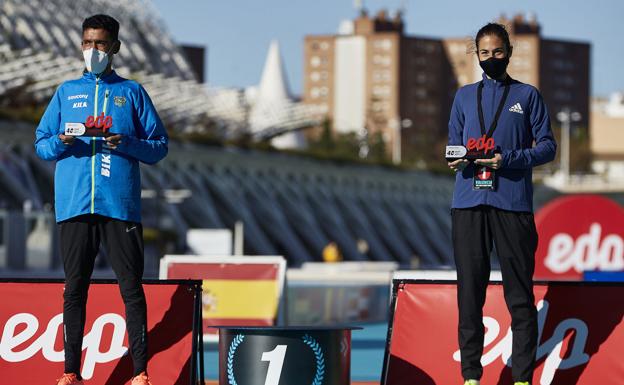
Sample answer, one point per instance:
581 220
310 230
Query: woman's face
491 46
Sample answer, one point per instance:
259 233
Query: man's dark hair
104 22
496 30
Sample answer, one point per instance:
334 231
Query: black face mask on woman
494 67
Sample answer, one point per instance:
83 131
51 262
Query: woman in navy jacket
493 200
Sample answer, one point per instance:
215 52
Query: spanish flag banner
236 292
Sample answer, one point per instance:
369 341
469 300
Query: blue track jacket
90 178
523 134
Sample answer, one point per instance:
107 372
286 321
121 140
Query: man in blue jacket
506 124
98 185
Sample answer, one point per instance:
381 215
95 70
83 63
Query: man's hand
458 165
113 141
67 140
493 163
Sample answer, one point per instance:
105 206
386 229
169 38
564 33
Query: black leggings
80 241
475 230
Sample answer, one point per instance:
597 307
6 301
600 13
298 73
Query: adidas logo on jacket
516 108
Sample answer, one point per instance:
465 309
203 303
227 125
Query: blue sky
238 32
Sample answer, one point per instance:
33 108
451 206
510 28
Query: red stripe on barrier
208 323
225 271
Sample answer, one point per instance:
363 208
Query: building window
563 65
425 46
419 60
319 92
315 61
523 76
522 46
315 76
324 45
520 62
563 96
380 106
426 108
381 76
457 48
381 91
384 60
420 92
558 48
565 81
383 44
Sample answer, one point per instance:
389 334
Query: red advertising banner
581 335
579 233
31 343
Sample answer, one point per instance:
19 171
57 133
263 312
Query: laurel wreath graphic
320 359
230 359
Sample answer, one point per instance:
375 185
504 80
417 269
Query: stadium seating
289 204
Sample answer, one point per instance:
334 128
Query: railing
28 241
583 183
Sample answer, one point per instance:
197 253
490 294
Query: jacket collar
487 82
109 78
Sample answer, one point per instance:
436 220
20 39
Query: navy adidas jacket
90 178
523 135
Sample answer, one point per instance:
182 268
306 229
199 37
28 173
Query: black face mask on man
494 67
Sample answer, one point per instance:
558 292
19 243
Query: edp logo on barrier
31 332
579 233
24 326
550 348
580 334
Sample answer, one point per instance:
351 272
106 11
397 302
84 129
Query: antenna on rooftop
358 5
403 7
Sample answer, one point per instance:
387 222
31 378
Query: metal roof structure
40 48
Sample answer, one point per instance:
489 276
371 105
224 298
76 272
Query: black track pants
475 230
123 241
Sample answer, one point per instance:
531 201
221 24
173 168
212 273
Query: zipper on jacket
105 102
95 103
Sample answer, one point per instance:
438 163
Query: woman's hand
458 165
493 163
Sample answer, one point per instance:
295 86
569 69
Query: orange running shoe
141 379
69 379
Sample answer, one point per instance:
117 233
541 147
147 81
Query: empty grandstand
289 205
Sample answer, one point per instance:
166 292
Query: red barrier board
579 233
31 343
581 335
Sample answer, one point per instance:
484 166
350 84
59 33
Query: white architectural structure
40 48
272 105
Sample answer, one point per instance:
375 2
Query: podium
285 355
